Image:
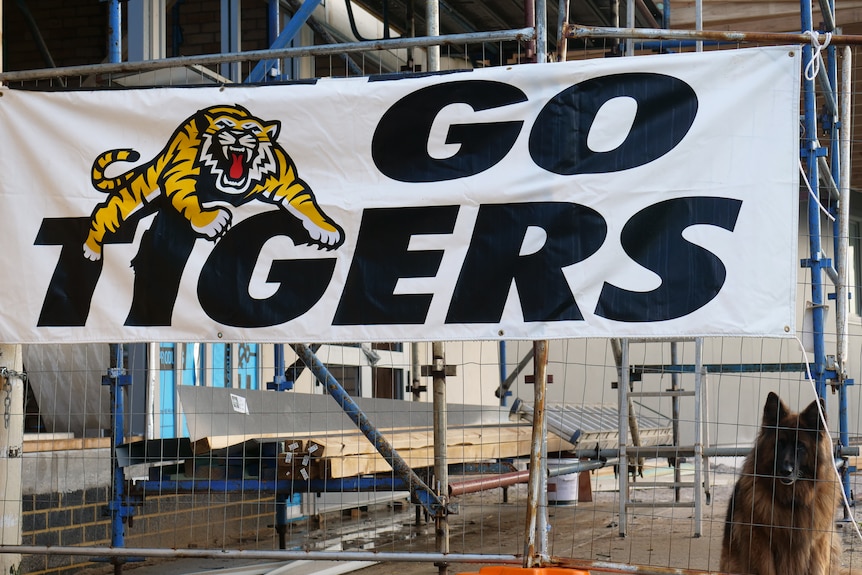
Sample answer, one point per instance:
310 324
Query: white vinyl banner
625 197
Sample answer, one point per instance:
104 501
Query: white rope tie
813 67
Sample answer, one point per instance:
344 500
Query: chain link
8 374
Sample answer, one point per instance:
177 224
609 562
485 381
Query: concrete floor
659 537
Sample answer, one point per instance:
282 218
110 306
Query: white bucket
563 489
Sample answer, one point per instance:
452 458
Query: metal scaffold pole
843 295
536 535
816 261
11 447
441 463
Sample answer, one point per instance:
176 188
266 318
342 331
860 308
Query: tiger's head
237 147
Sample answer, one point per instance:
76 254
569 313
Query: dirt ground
656 536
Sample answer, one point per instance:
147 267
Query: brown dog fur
781 516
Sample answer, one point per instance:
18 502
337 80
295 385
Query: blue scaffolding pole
812 154
265 67
120 509
816 262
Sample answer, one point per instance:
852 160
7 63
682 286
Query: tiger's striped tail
105 159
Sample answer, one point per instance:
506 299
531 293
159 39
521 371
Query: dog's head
789 442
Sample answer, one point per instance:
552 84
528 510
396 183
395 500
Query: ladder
629 447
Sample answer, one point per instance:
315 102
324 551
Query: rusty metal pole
441 463
536 535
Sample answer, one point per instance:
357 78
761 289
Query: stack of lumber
348 453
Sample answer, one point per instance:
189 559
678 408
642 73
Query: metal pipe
674 417
826 89
486 483
827 179
843 294
705 422
614 17
723 368
278 487
379 556
426 497
281 504
325 35
520 35
644 12
579 31
273 20
535 538
507 479
441 461
115 31
698 22
153 390
810 150
432 20
279 379
541 31
510 379
502 348
630 22
121 552
698 446
826 10
118 425
260 71
11 446
415 384
562 20
664 450
623 401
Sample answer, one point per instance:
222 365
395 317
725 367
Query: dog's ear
774 410
810 416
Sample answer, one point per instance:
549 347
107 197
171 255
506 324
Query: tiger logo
221 154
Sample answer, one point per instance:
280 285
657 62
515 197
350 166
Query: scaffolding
827 170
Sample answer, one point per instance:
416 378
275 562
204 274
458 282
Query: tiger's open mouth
238 159
237 169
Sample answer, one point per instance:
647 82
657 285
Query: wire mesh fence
311 483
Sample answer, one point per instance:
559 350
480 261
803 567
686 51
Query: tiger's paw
92 254
323 237
216 227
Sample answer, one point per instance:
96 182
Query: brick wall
168 521
199 25
75 33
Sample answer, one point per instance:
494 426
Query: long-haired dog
781 518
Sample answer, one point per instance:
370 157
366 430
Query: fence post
536 536
11 447
441 456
